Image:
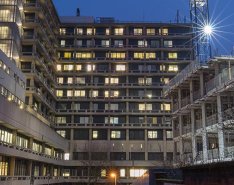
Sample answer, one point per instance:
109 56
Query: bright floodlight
208 30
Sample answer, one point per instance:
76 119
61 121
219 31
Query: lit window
78 67
120 67
173 68
150 55
166 106
168 44
107 31
66 156
143 107
79 31
63 43
163 31
119 31
137 31
80 80
68 67
114 120
59 93
148 81
21 141
152 134
69 93
5 136
165 80
116 55
152 120
94 93
150 31
173 55
139 55
115 134
137 172
69 80
84 55
60 80
59 67
62 31
91 67
61 133
142 43
95 134
169 134
67 54
4 32
89 31
61 119
111 94
122 173
111 80
105 43
103 172
162 68
79 93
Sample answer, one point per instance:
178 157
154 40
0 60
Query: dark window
81 134
137 156
169 156
98 156
157 156
136 134
117 156
99 134
80 155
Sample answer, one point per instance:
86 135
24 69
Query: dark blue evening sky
222 11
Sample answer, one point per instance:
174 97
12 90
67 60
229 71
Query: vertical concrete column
164 144
71 143
204 133
146 145
221 136
29 168
191 91
128 145
14 136
202 84
30 144
181 148
179 98
12 166
193 137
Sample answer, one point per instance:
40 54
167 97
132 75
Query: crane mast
199 14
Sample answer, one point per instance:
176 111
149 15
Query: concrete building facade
82 98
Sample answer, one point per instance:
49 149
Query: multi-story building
97 83
110 77
202 98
